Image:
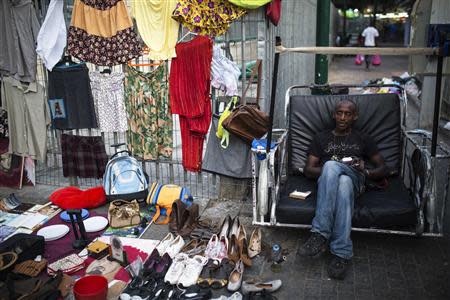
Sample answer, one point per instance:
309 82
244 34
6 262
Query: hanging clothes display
208 17
101 32
52 37
224 73
83 156
19 28
28 118
156 26
70 97
190 78
149 118
108 93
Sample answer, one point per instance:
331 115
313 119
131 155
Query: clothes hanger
184 36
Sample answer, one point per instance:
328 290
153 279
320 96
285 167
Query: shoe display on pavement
314 246
234 296
269 286
211 248
235 279
176 268
192 271
337 268
164 243
254 247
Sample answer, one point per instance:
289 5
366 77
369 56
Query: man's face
345 115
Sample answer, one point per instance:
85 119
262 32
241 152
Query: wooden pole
360 50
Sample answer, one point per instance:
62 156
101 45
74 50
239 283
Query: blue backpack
124 178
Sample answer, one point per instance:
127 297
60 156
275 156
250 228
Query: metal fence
246 41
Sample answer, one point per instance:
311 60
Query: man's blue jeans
338 186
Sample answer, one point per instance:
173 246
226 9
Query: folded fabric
73 198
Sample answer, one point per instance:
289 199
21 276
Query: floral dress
149 117
207 17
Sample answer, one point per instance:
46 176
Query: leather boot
190 219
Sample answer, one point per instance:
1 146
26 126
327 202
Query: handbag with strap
247 121
122 213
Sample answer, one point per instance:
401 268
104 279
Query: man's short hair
346 100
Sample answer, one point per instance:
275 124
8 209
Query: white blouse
52 37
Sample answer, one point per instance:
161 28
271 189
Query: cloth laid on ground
108 93
156 27
70 97
224 73
234 161
52 38
62 247
208 17
73 198
28 118
83 156
19 27
101 32
189 95
149 119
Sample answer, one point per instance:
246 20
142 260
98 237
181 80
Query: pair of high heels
157 265
237 235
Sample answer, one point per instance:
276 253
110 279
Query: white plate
96 223
53 232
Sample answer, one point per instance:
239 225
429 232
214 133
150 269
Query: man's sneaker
193 269
176 269
314 246
338 267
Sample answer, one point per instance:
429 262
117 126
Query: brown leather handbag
247 121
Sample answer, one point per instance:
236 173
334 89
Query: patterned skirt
101 32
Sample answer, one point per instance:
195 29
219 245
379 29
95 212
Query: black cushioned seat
380 117
375 208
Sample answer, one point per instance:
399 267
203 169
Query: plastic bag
359 59
376 60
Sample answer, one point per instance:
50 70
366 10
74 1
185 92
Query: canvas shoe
192 271
165 242
251 287
176 269
175 246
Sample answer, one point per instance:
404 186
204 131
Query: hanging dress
207 17
108 93
190 77
156 27
149 118
101 32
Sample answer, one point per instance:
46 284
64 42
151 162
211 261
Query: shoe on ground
165 242
235 279
175 246
337 268
251 287
226 226
176 269
314 246
192 271
254 247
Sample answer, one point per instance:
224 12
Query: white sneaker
193 269
175 246
165 242
176 268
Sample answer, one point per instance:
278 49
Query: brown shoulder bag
247 121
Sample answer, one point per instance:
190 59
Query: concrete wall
437 15
297 28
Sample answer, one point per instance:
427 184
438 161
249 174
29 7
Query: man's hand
358 163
